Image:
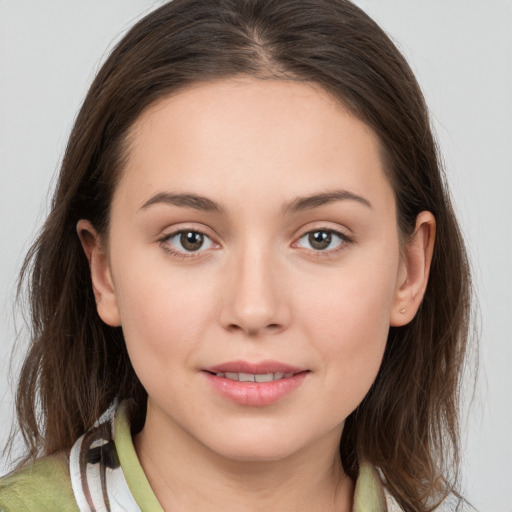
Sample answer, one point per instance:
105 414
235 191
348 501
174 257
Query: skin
256 290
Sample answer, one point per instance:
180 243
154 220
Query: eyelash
344 240
164 242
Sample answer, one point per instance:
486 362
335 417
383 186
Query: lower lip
256 394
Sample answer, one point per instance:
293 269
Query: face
254 265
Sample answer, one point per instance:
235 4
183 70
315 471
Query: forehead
245 135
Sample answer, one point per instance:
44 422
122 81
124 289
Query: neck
186 475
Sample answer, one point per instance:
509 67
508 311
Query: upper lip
260 368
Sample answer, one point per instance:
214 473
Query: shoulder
371 493
44 485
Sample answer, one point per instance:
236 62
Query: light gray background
461 51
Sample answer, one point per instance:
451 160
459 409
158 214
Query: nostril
253 331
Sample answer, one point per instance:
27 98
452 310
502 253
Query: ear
414 270
102 283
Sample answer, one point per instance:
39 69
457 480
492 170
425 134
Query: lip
255 394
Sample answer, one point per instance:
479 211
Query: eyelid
345 238
163 241
311 227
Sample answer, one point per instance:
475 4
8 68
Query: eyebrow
185 201
298 204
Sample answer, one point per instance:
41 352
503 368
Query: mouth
257 384
254 377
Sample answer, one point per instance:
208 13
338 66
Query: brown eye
323 240
191 240
187 241
319 240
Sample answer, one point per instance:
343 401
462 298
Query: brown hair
77 365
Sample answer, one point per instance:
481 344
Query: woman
253 265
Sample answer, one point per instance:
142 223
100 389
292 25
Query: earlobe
102 283
415 268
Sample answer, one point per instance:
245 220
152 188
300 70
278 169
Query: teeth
251 377
266 377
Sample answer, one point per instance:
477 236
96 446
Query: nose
254 298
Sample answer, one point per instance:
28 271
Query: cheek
352 307
350 330
162 312
349 324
